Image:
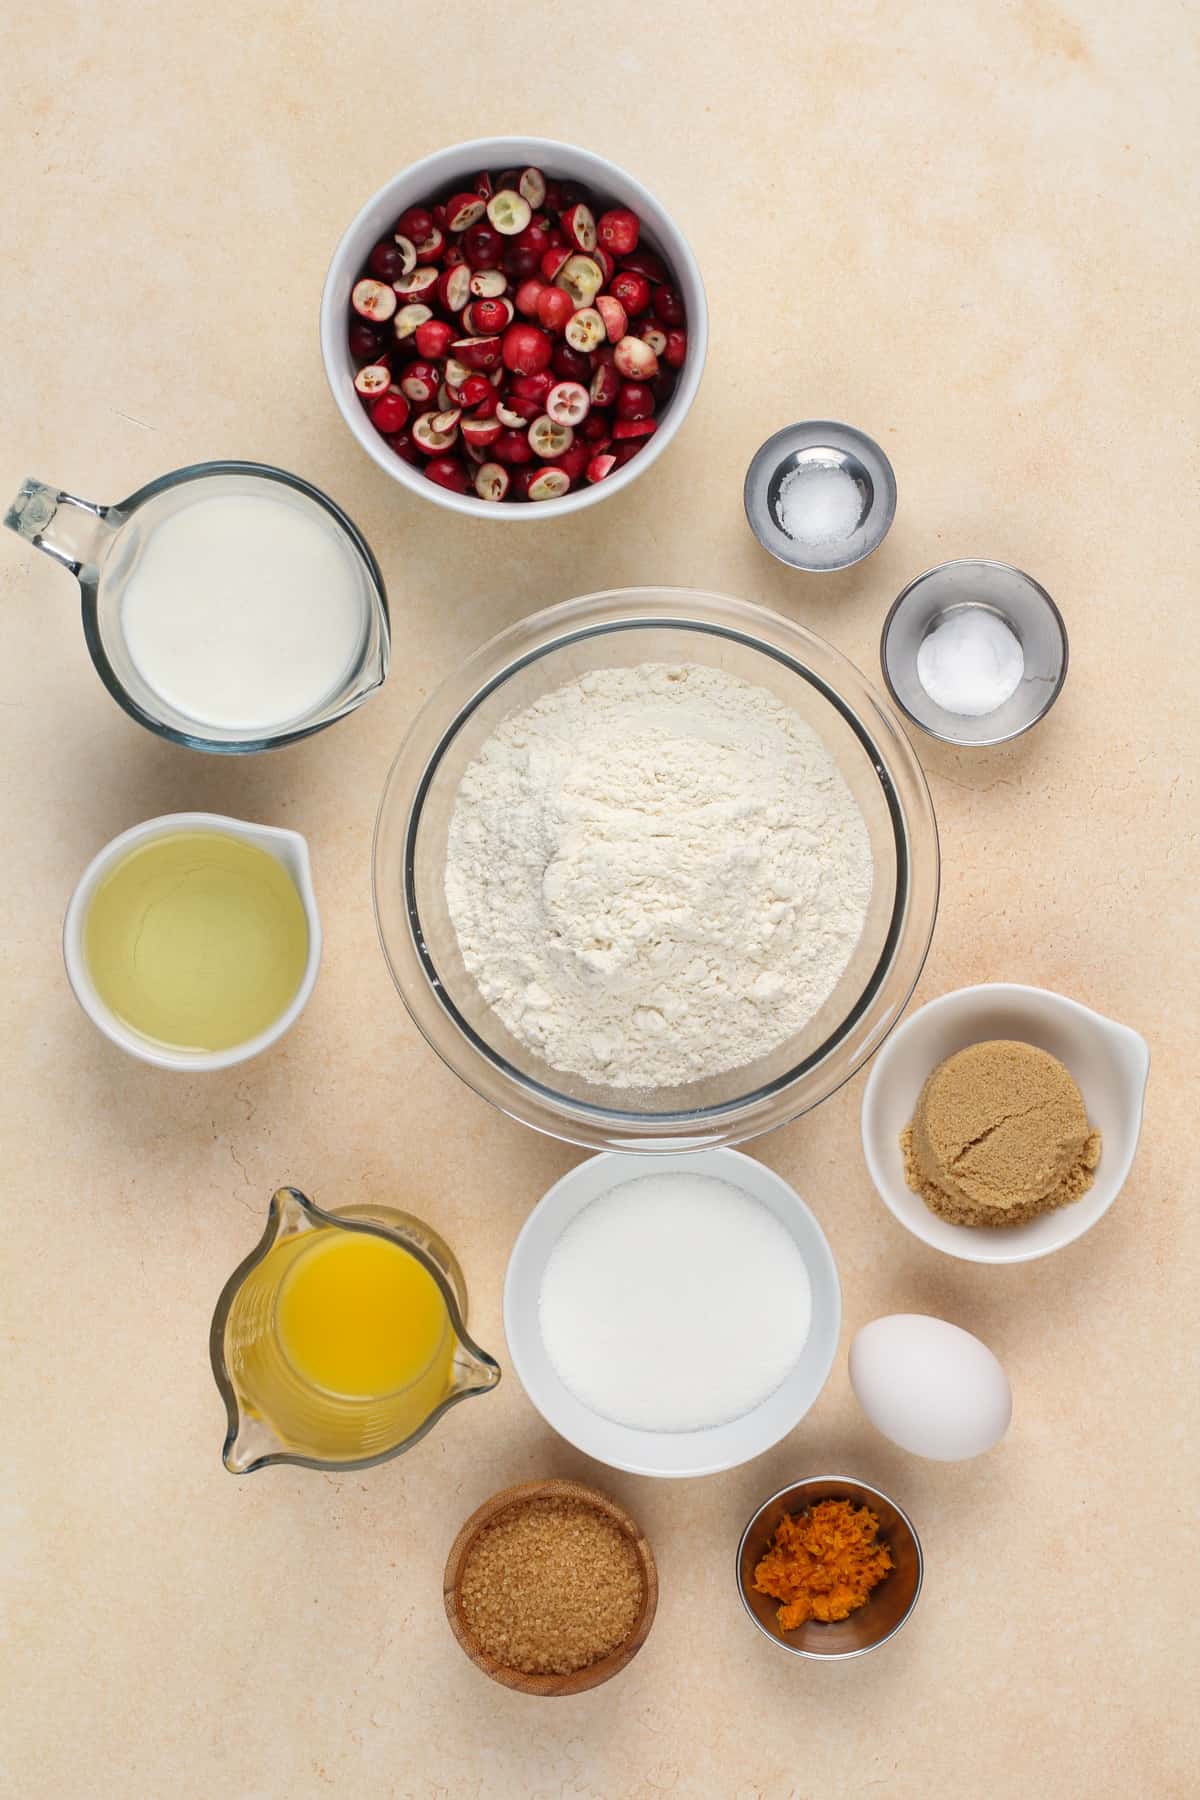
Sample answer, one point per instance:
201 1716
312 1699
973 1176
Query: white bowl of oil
192 941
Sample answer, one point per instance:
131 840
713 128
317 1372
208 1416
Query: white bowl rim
724 1163
1073 1225
288 847
482 152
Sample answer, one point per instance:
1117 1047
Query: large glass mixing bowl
547 651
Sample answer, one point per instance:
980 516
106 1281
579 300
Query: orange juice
359 1318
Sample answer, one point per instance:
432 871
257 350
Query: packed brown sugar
823 1564
551 1586
1000 1134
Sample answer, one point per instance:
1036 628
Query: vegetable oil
197 940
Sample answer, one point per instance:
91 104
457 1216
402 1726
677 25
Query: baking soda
819 503
970 663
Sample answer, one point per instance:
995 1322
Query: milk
245 611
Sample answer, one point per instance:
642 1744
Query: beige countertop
964 228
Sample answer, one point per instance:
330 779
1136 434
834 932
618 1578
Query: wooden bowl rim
578 1680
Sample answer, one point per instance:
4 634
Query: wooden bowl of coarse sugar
551 1588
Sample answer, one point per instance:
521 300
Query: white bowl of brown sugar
1003 1173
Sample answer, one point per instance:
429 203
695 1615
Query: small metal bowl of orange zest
880 1557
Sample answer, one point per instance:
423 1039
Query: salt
971 663
674 1302
819 503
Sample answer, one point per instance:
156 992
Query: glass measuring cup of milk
228 606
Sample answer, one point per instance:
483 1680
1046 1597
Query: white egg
930 1387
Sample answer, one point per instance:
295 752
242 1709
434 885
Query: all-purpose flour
656 874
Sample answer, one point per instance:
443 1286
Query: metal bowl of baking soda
673 926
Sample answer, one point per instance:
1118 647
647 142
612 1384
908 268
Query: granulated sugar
674 1302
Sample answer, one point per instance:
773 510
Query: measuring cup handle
74 532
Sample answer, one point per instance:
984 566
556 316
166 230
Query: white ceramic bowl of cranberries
540 343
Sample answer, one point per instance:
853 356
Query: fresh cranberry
404 447
528 295
675 354
477 390
571 365
618 231
596 426
554 308
532 387
447 472
574 459
416 224
623 453
512 447
668 306
483 246
525 349
389 413
632 290
520 262
635 401
644 262
434 338
663 384
366 343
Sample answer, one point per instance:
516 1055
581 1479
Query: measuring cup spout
76 533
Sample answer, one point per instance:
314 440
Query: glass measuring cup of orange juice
341 1340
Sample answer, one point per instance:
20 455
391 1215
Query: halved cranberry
617 230
606 383
525 349
373 300
580 226
531 185
675 354
483 184
419 284
430 249
431 435
548 438
554 261
481 432
479 353
448 472
509 212
616 319
491 481
419 383
663 385
569 402
464 210
608 267
408 253
410 318
623 453
488 284
652 333
581 277
600 466
585 331
406 450
596 428
634 428
373 380
454 287
518 411
546 484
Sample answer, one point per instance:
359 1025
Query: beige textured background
968 228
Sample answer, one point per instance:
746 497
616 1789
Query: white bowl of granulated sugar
672 1315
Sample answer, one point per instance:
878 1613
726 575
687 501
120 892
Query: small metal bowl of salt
820 496
974 652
